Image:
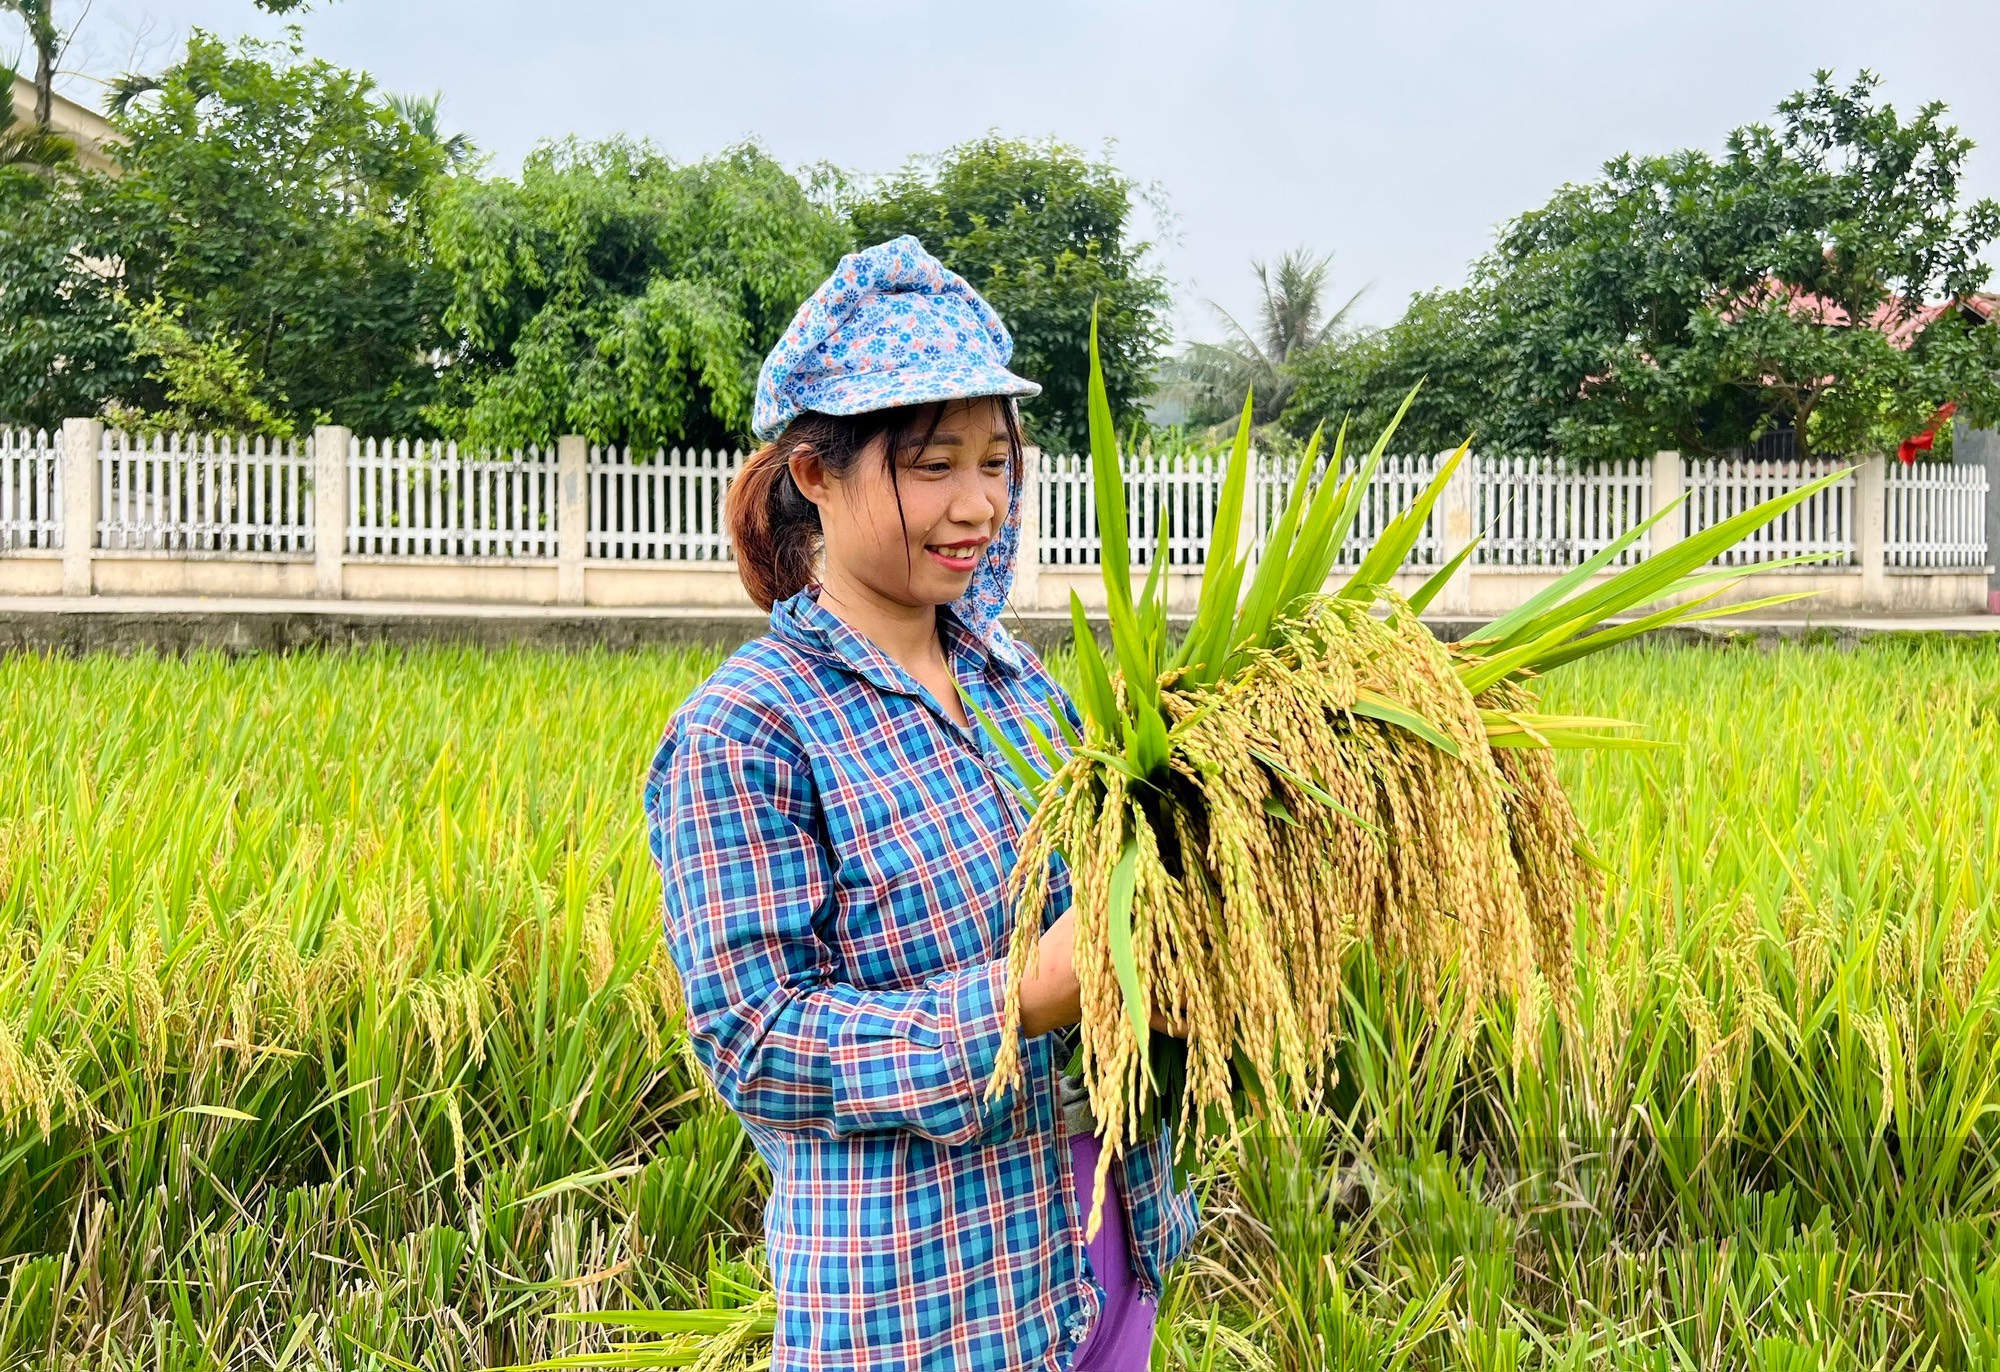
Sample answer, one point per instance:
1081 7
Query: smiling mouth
959 557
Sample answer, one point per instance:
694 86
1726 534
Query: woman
834 833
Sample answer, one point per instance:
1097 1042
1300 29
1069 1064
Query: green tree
1043 232
276 205
1450 341
208 383
613 293
1695 301
62 346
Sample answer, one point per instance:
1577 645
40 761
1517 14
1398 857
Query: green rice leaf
1646 581
1030 777
1061 717
1153 599
1118 928
1688 613
1107 478
1574 738
1096 700
1426 593
1344 525
1312 553
1535 719
1392 549
756 1318
1515 621
1209 636
1310 787
219 1112
1122 764
1260 606
1371 705
1043 743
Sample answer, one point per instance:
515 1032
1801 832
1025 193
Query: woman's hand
1052 998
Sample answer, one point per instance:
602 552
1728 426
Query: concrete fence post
1027 593
572 516
331 443
1253 500
1871 522
1669 485
1456 511
81 440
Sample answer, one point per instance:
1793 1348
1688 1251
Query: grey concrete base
153 624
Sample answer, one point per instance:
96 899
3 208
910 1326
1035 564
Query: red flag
1907 450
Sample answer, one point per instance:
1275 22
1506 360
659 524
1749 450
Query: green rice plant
334 1013
1799 929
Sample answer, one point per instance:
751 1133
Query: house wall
1981 448
90 131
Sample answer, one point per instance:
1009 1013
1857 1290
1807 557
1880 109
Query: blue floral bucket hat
891 326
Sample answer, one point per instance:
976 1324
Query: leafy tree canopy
613 293
1043 232
285 244
1453 343
270 210
1692 301
62 349
277 202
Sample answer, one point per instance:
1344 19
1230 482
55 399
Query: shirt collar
801 619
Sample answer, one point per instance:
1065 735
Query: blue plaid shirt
834 851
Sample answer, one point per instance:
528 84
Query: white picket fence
428 500
1537 512
1933 516
1719 489
1183 491
204 494
30 491
664 509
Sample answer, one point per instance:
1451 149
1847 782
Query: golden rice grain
1250 899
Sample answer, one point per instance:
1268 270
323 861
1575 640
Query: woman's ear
809 474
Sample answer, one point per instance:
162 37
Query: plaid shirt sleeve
787 1044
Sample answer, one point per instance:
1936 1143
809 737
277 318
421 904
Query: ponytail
773 527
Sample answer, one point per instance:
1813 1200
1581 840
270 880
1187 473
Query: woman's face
954 497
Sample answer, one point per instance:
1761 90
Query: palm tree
420 112
1291 319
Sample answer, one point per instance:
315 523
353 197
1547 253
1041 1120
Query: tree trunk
45 92
40 17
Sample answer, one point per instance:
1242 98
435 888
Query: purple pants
1122 1338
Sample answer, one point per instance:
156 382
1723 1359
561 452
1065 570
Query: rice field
335 1031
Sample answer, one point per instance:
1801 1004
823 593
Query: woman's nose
972 503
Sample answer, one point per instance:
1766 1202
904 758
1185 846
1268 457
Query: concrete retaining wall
165 625
1481 591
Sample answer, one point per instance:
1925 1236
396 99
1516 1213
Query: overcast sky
1394 135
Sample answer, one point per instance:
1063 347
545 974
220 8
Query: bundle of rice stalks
1306 769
